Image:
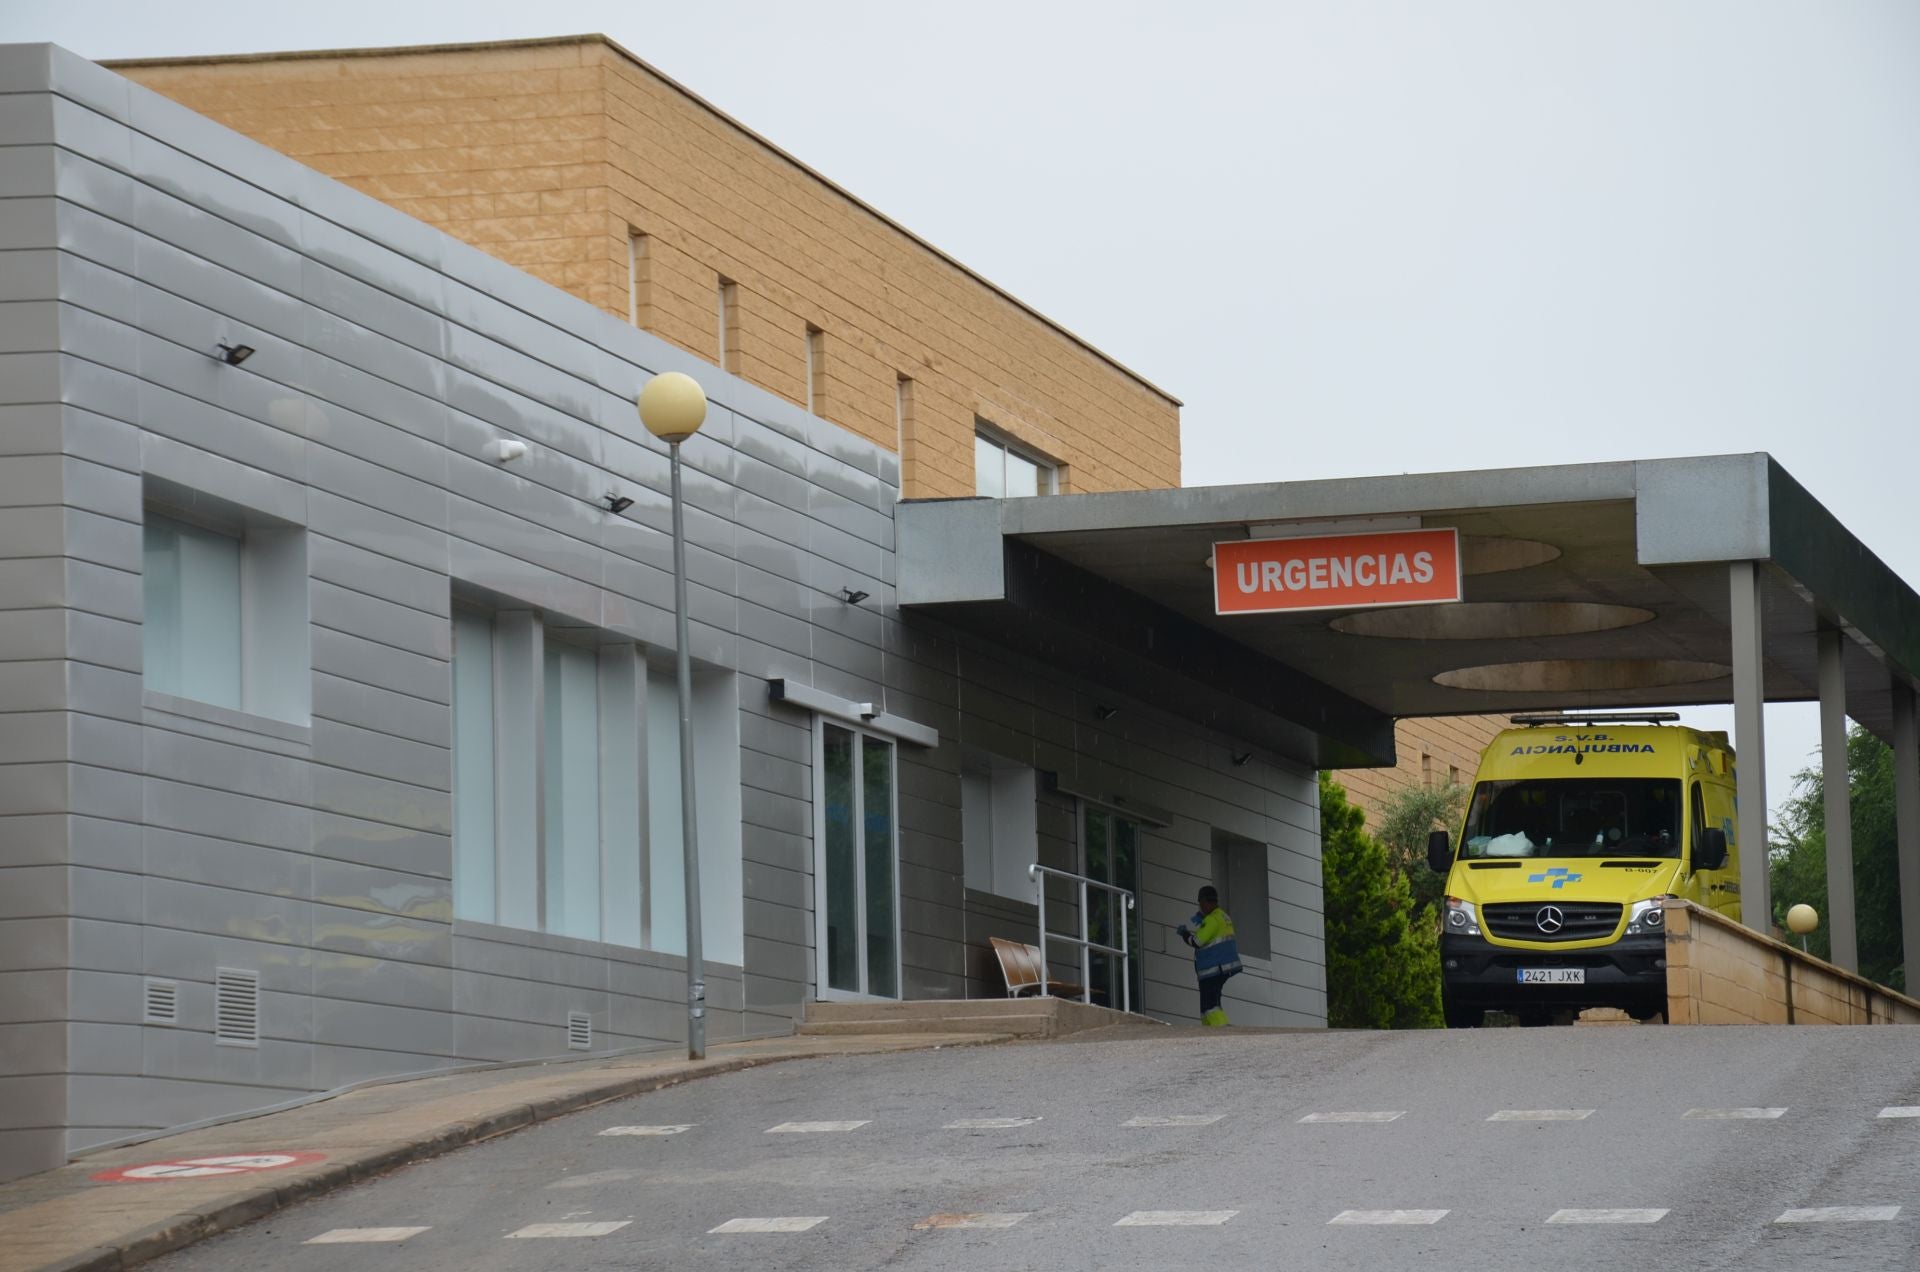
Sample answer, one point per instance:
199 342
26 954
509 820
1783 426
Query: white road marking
989 1123
784 1223
569 1229
1176 1218
1607 1216
1195 1119
1388 1216
1731 1115
341 1236
971 1219
1901 1110
1541 1115
648 1130
1839 1214
813 1128
1384 1116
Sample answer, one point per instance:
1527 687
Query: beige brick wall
548 154
1720 973
1430 752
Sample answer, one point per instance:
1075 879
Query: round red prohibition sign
205 1167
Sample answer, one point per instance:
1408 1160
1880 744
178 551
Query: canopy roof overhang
1586 586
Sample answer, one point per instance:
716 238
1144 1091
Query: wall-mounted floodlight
1104 712
233 354
1240 760
617 503
852 596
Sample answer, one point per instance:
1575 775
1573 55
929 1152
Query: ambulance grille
1578 920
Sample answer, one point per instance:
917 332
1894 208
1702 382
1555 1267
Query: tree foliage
1383 952
1798 857
1406 818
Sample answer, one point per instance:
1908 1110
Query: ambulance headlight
1461 920
1646 918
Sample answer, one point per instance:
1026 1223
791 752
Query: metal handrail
1036 872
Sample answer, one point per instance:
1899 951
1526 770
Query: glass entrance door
857 888
1107 851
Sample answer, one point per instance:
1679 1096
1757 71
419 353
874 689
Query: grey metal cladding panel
396 803
34 944
780 922
377 309
30 326
347 565
40 839
411 852
376 531
383 666
30 1049
29 223
377 619
376 1025
335 1067
32 377
33 634
102 946
26 172
776 630
404 494
779 960
368 934
108 896
230 911
790 740
363 706
40 891
781 777
776 812
863 521
382 755
392 982
203 234
223 815
236 769
356 886
190 858
779 849
761 881
1709 508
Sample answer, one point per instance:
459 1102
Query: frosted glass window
572 867
473 841
666 877
191 624
1000 472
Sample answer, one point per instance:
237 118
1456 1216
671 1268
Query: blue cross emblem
1560 875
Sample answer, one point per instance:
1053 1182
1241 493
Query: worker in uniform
1216 956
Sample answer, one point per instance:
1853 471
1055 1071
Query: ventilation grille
579 1031
236 1007
162 1003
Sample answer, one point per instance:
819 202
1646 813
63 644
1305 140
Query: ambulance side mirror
1439 851
1712 853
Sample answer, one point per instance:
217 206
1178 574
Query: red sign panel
1336 571
205 1167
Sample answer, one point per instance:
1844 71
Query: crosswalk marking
782 1223
1382 1116
813 1128
1732 1115
569 1229
648 1130
988 1123
341 1236
1840 1214
1388 1216
1541 1115
1192 1119
1900 1110
1176 1218
971 1219
1607 1216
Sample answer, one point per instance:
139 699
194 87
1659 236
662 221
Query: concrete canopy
1609 582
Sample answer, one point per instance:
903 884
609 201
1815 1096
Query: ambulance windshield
1574 817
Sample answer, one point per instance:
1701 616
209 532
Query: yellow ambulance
1576 829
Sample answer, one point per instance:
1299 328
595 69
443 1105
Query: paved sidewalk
62 1219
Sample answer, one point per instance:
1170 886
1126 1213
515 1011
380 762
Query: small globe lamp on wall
673 406
1802 919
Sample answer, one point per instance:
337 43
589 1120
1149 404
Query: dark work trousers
1210 990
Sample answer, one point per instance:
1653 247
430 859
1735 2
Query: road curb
221 1215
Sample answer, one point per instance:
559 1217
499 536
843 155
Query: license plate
1552 975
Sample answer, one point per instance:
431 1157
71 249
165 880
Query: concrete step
1021 1017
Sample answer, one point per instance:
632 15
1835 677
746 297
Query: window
1108 852
857 876
1001 472
224 618
566 788
1240 875
1426 770
999 831
639 280
728 317
816 371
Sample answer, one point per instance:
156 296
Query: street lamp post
673 406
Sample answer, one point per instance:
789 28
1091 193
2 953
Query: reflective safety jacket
1215 951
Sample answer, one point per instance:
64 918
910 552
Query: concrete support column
1833 773
1906 803
1750 746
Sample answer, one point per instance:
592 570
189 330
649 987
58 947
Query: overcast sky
1353 237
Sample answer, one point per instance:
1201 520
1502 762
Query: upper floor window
1000 471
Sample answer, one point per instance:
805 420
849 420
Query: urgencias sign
1336 571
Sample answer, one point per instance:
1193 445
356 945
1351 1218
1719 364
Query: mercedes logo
1549 920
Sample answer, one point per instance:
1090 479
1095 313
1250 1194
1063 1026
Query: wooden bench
1020 968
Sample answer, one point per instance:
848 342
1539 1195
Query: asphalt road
1681 1121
